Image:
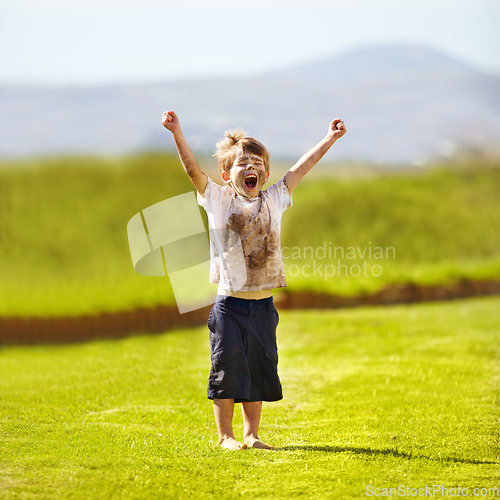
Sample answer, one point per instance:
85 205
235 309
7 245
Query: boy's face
247 175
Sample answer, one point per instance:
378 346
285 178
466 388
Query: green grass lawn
64 247
388 396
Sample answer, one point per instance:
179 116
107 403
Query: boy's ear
267 175
225 176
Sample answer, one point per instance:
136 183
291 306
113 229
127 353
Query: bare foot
230 443
255 442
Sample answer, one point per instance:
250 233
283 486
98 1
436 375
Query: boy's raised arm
296 173
199 179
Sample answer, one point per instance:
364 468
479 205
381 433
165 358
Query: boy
242 323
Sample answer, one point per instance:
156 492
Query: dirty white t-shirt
245 250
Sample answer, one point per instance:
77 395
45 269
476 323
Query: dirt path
38 330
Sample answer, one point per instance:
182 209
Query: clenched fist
170 121
337 129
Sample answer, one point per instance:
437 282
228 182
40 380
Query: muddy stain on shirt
260 242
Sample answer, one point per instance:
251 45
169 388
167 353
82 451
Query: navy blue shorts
244 353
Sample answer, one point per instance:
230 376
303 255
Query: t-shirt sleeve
212 193
279 195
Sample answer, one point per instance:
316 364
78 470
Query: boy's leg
251 420
224 410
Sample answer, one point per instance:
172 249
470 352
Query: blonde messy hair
238 141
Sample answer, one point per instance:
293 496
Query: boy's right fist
170 121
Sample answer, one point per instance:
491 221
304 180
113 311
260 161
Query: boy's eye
254 161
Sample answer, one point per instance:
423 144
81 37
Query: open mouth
250 181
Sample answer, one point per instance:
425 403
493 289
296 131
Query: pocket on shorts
276 318
272 355
272 384
222 361
211 319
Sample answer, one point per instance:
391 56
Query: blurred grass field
64 248
387 396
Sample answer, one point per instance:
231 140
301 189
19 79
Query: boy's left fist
337 128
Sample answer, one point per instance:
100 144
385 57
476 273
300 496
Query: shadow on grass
387 452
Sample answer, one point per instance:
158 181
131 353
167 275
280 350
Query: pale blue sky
126 41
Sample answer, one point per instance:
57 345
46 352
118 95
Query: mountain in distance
400 105
378 62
